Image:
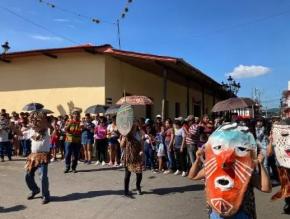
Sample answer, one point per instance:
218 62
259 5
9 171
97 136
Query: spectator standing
168 140
72 142
101 141
179 148
87 138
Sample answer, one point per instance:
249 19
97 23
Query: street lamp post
5 47
231 86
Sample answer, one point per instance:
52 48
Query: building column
164 95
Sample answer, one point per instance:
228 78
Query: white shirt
26 133
40 146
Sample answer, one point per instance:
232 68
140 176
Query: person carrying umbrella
73 141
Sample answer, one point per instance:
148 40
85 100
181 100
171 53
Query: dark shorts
113 140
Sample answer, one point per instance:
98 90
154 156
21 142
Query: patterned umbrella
33 107
232 104
135 100
95 109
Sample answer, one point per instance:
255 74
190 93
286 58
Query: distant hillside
273 110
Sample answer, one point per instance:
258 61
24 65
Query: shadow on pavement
12 209
90 194
170 190
99 169
93 194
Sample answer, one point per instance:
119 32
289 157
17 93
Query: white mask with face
281 143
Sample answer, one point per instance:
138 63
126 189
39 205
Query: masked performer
133 157
39 158
229 172
280 142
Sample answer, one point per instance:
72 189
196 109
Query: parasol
232 104
135 100
112 110
95 109
32 107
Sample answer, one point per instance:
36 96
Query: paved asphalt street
96 192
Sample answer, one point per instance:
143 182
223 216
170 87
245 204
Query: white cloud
249 71
61 20
46 38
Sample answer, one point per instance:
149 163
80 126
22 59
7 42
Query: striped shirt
192 137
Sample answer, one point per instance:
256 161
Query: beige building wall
122 77
71 80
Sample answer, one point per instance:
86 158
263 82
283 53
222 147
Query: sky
248 39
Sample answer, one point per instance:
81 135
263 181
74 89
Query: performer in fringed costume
133 158
231 169
280 145
39 157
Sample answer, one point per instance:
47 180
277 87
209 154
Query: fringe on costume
34 160
284 191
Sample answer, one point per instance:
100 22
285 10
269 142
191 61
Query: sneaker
45 201
139 192
110 163
184 174
85 161
97 163
103 163
52 159
32 194
128 194
66 171
74 171
166 172
177 172
89 162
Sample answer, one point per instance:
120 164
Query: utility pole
119 34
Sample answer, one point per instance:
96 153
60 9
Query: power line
80 15
225 29
38 25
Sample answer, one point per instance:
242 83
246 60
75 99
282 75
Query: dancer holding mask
229 172
131 142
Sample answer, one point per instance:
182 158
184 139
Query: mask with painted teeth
229 164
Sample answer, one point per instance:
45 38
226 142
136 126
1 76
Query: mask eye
241 151
217 149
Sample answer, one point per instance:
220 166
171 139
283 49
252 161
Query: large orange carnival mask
228 167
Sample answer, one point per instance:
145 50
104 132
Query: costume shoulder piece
229 164
281 144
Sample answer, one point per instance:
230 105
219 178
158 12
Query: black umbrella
46 111
112 110
33 107
96 109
